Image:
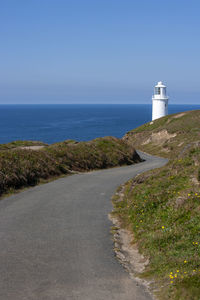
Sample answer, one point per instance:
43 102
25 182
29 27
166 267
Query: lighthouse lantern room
159 101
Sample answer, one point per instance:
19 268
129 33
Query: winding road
55 241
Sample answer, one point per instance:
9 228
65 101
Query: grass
25 167
185 126
17 144
162 208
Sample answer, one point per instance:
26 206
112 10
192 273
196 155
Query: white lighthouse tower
159 101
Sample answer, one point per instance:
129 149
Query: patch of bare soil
31 147
126 250
127 253
159 138
179 115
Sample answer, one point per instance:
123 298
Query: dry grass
25 167
166 136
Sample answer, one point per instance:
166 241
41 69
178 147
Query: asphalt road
55 240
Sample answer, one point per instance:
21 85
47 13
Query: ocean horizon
52 123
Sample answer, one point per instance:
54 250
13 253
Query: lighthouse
159 101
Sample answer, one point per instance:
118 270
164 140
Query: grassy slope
17 144
162 207
151 137
23 167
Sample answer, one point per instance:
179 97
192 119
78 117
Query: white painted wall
159 108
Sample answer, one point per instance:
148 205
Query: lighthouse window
157 91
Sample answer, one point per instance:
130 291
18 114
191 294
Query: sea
55 123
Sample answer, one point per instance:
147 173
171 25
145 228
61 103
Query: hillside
162 207
26 163
167 136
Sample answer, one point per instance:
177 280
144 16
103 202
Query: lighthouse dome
160 84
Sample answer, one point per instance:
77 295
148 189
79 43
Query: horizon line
95 104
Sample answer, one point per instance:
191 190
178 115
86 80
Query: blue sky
98 51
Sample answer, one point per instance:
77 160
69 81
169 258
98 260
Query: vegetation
167 136
21 167
162 207
18 144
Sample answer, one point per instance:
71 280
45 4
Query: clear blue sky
98 51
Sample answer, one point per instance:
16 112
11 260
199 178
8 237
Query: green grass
162 208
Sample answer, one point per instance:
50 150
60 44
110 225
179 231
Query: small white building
159 101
